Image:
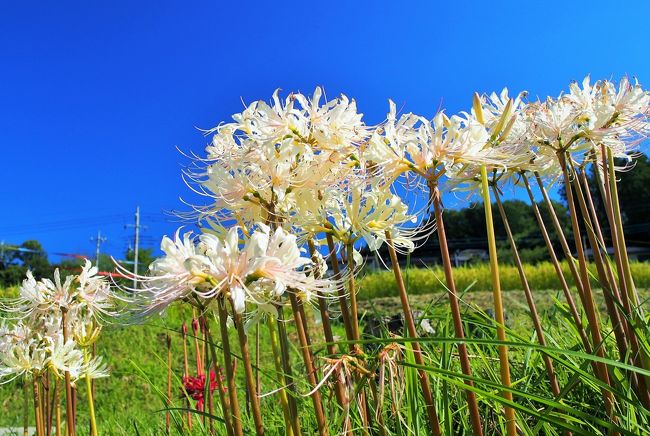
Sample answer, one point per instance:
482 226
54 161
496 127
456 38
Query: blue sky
96 96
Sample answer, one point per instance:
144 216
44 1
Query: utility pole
137 228
99 239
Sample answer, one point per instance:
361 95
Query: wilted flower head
195 387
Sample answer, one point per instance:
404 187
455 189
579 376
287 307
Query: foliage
15 261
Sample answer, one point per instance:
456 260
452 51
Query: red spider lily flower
195 387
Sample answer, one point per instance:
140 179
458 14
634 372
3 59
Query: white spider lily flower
94 368
173 277
21 352
388 145
94 292
591 115
367 212
257 165
258 271
414 144
64 356
37 298
261 271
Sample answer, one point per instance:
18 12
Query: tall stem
309 365
511 424
45 377
472 403
604 187
417 352
69 415
168 416
616 212
571 261
619 316
57 401
354 320
641 357
250 376
208 382
258 377
292 425
227 357
334 263
555 387
225 403
25 407
352 291
327 328
558 269
197 352
286 364
588 301
605 274
91 403
38 411
186 371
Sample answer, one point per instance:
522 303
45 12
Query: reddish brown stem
417 352
590 307
327 327
250 376
225 403
168 418
186 371
69 400
230 375
558 269
472 403
345 314
309 365
605 274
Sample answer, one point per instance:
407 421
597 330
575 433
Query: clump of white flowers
53 322
302 171
314 168
256 268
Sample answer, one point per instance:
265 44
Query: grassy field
477 278
131 400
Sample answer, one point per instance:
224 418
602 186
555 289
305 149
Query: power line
61 225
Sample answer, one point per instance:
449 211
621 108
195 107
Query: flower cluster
255 268
311 168
509 135
273 158
52 324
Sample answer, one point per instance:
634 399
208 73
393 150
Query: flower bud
478 109
195 325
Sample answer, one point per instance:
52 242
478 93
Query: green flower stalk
511 423
532 307
91 402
